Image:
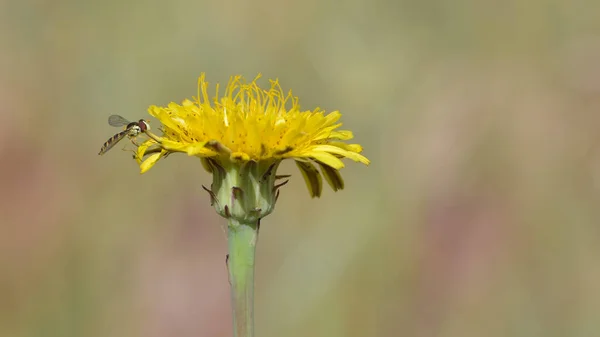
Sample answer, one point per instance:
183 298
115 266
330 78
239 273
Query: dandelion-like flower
241 137
249 131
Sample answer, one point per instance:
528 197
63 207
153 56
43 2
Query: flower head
248 124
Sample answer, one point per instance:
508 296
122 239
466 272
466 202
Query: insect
132 130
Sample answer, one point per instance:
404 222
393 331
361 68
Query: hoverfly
132 130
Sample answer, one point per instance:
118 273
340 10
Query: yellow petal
348 147
344 153
141 150
150 161
341 135
327 159
332 117
173 146
199 149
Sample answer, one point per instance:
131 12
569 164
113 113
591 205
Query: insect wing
116 120
112 141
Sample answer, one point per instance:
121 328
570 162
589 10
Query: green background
477 217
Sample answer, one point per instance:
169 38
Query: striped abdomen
112 141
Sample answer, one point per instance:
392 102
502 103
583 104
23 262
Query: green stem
242 245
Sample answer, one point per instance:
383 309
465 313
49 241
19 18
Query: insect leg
134 142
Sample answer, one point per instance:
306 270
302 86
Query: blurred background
477 217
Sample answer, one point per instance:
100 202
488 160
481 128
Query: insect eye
143 125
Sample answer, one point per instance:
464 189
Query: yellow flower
250 124
241 137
